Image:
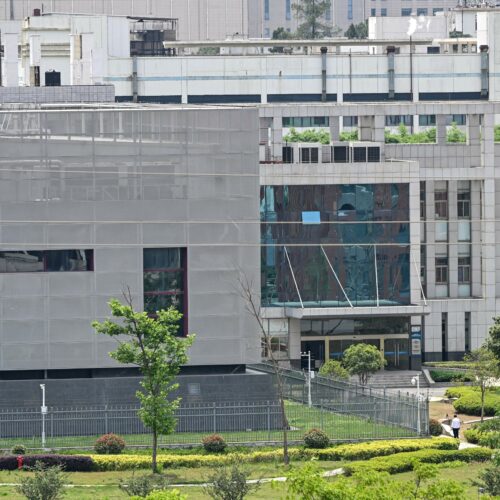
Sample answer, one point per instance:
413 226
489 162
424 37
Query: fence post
106 419
215 418
321 414
268 420
52 423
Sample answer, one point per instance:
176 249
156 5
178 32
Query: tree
282 34
357 31
46 483
483 371
363 360
152 344
493 340
334 369
252 305
311 12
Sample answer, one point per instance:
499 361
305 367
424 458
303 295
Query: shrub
69 463
472 435
18 449
229 484
490 439
450 376
174 494
435 428
316 438
334 369
469 400
490 478
46 484
308 135
109 444
357 451
489 425
214 443
143 485
403 462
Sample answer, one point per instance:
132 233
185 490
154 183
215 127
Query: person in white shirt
455 425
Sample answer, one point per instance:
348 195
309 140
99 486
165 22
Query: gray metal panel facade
117 181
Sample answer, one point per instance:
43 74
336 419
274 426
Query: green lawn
338 426
104 485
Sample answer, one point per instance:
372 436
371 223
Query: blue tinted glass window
266 10
288 9
349 10
311 218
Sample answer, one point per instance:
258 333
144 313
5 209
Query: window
287 154
421 11
164 280
436 10
396 120
27 261
374 153
464 269
350 121
340 154
433 50
308 155
427 120
441 204
266 10
422 200
444 336
328 13
457 119
406 12
288 9
441 270
305 121
467 331
463 204
359 155
383 12
267 33
349 10
373 12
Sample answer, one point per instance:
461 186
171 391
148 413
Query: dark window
463 204
422 200
435 10
287 154
441 204
444 336
165 281
340 154
464 269
395 120
373 154
457 119
288 10
350 121
421 11
308 155
373 12
406 12
20 261
305 121
441 270
266 10
52 79
359 154
426 120
433 50
383 12
467 331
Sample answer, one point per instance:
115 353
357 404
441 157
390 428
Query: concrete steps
396 379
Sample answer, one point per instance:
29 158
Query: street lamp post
416 381
309 397
44 412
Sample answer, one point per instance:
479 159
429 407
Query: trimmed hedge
358 451
69 463
469 400
449 376
404 462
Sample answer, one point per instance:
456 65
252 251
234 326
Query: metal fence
346 412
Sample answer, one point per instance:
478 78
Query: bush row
486 433
403 462
358 451
469 400
70 463
450 376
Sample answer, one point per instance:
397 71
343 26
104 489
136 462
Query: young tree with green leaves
152 344
357 31
483 371
334 369
493 340
312 13
363 360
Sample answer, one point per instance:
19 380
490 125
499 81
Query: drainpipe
390 70
134 79
323 74
484 70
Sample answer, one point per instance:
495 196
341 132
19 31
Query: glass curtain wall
328 246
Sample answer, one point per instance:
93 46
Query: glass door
396 353
317 348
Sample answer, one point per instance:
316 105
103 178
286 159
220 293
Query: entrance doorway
317 348
396 354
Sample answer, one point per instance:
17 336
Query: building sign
416 341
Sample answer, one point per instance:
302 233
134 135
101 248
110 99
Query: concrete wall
117 181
